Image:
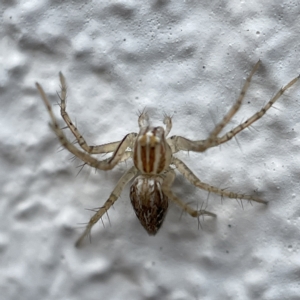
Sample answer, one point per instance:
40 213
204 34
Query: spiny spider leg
234 109
168 180
109 202
190 176
229 135
178 143
126 155
109 164
168 123
105 148
143 119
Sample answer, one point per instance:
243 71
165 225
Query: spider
154 166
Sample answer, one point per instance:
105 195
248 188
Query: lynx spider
153 155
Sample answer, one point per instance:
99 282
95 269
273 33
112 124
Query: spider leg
107 164
143 120
233 109
229 135
105 148
109 202
178 143
126 155
190 176
168 123
168 180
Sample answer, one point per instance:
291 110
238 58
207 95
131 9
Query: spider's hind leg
189 175
115 194
169 178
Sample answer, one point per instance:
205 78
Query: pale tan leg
179 143
168 123
229 135
169 178
105 148
107 164
143 119
189 175
126 155
109 202
233 109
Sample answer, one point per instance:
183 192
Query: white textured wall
188 59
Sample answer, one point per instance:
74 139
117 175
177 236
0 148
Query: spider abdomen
149 202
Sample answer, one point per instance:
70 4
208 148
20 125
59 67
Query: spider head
152 154
149 202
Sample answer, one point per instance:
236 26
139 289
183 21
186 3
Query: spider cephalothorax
152 154
154 161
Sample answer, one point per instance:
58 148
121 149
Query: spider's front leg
109 202
107 164
105 148
234 109
190 176
178 143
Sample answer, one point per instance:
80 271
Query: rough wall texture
188 59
